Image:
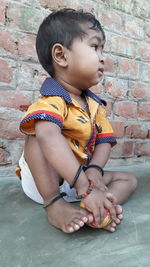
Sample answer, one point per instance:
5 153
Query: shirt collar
51 87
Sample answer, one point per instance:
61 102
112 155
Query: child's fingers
102 214
111 198
111 208
97 215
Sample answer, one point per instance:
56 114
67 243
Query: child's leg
121 185
61 214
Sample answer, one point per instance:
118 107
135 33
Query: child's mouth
101 70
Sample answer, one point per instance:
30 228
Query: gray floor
27 240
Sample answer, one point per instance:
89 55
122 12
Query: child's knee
133 181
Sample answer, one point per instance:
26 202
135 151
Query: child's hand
97 201
96 177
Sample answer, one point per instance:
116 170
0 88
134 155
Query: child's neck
70 88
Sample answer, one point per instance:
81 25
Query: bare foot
112 226
67 217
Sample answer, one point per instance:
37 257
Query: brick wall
126 85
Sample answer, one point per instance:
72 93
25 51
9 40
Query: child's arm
100 157
104 140
101 154
58 153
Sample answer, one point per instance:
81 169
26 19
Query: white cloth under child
30 189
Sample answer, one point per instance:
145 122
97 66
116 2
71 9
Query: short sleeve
104 129
50 108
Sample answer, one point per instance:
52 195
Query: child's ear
59 55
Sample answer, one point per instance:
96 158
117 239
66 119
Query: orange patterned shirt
82 131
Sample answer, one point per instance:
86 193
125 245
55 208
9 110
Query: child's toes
120 216
85 219
69 229
90 218
113 224
76 227
117 221
79 222
119 209
111 227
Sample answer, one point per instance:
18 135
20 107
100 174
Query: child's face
85 61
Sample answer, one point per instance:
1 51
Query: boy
67 128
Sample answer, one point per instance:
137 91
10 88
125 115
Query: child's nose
102 61
101 58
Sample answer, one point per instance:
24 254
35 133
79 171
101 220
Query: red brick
137 131
143 52
122 46
116 88
140 90
6 72
118 127
111 20
97 89
26 47
110 65
89 5
133 29
3 8
107 47
53 4
42 76
128 149
7 41
126 109
27 77
108 107
129 68
14 14
142 148
10 129
25 17
144 111
4 157
123 150
13 99
75 5
145 73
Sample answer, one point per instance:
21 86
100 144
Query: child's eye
95 46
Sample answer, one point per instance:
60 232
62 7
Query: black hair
62 26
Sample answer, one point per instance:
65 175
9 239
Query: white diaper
30 189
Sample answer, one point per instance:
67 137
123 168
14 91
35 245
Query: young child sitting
69 138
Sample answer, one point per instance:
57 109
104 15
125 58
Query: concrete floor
27 240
